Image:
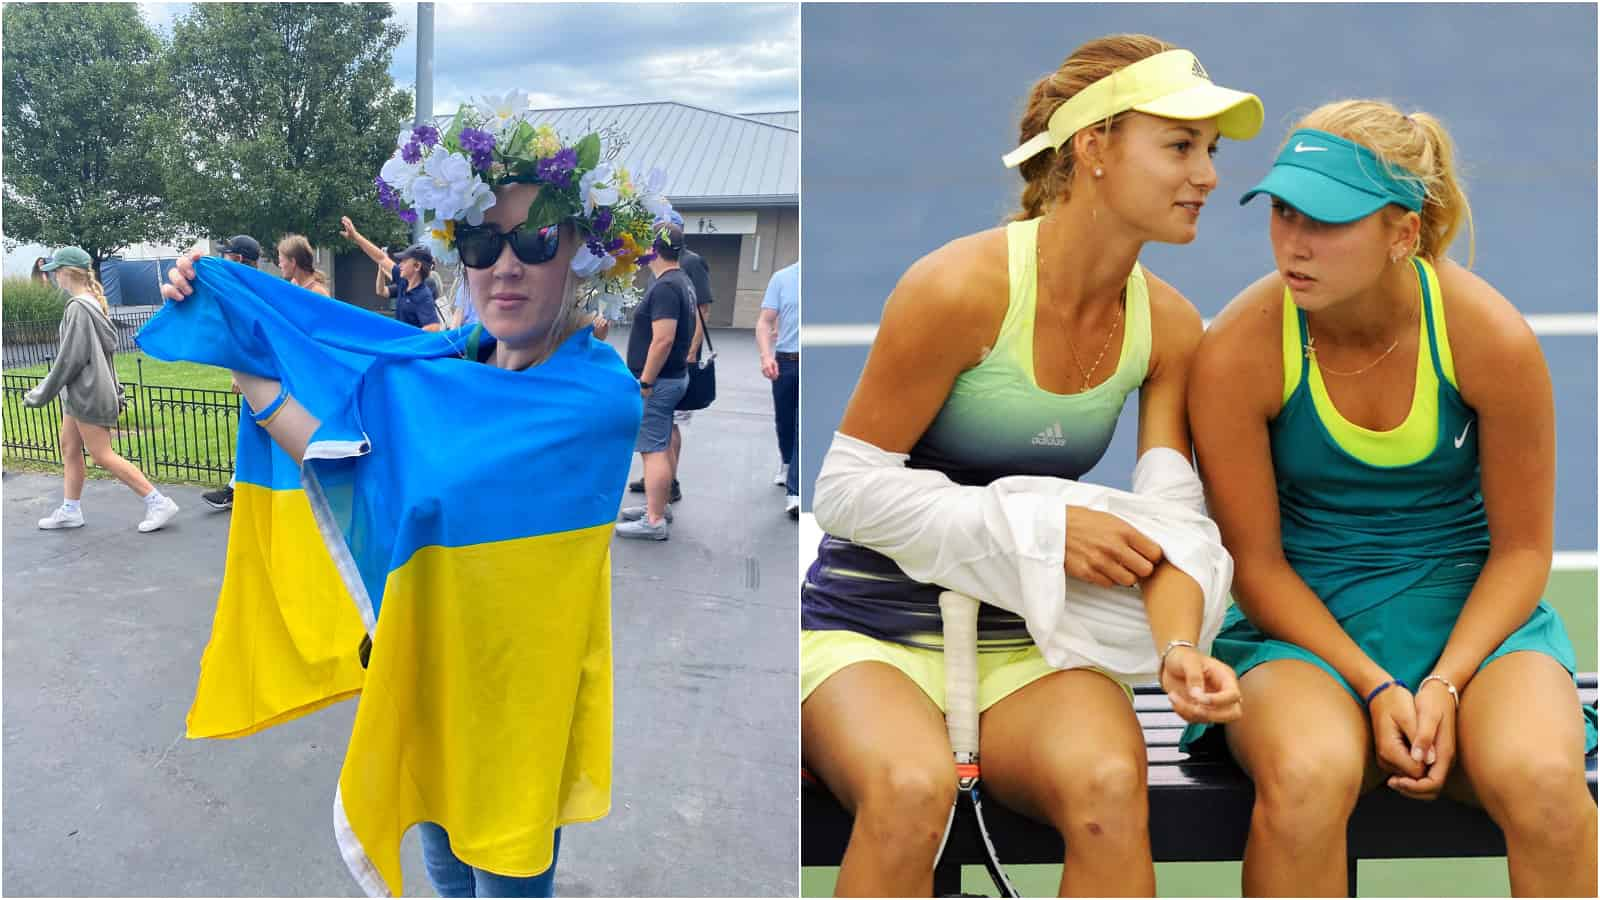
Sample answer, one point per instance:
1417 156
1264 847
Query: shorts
655 426
1000 672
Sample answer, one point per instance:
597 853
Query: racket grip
960 614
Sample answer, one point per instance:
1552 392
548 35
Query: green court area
1572 593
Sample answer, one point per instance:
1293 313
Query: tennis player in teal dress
1376 432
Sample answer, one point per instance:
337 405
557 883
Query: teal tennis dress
1386 527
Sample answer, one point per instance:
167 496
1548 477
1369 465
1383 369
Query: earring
1098 172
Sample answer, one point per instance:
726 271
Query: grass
182 438
1573 594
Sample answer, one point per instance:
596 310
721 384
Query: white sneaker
61 518
791 505
158 515
782 478
634 513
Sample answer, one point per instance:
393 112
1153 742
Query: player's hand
1434 745
1202 688
1394 729
1102 549
180 278
348 228
769 368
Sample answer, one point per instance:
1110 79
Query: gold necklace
1122 300
1311 352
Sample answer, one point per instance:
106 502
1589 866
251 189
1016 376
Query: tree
287 114
82 108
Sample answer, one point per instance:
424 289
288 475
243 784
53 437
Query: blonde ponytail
90 285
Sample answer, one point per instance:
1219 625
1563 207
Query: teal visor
1334 180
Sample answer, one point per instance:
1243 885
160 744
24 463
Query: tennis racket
960 614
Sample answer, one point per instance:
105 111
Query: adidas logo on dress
1050 437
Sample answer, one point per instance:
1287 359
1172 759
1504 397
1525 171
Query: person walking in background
39 274
242 248
299 264
414 302
778 336
658 349
699 272
85 377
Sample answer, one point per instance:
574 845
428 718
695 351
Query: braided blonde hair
90 284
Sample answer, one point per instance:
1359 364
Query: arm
766 338
373 251
663 329
77 342
699 332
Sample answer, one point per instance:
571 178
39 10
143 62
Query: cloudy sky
734 57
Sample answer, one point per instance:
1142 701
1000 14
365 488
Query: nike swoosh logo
1462 439
1302 148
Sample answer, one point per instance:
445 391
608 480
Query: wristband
1444 681
1171 646
276 406
1383 687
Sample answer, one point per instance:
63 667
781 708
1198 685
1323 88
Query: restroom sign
718 222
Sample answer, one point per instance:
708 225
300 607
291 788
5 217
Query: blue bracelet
261 417
1385 686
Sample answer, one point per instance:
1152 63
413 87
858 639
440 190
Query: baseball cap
68 256
1171 84
1335 180
418 252
242 244
672 216
669 236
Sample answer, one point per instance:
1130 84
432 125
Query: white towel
1005 544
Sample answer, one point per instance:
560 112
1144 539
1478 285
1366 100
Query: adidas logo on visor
1199 71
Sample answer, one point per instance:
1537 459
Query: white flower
585 264
503 109
659 207
399 174
480 197
434 234
611 306
655 181
598 187
445 184
404 137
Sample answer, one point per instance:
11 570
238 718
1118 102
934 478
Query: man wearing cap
658 349
241 248
414 302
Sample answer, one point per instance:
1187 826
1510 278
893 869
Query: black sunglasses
480 245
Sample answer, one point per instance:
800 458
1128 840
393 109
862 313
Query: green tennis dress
1386 527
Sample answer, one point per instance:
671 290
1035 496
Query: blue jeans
453 878
786 416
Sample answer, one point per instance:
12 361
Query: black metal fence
170 433
35 342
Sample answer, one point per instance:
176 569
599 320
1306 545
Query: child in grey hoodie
91 397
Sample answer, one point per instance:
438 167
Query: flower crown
449 178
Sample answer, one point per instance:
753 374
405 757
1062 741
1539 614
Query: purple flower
645 260
427 135
480 144
411 153
602 220
614 245
557 170
387 198
408 215
595 247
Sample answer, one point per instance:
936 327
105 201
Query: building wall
775 244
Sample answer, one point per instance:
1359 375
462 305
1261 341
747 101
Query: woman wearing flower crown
1377 432
1025 340
486 705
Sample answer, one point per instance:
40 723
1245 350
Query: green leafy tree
80 119
286 112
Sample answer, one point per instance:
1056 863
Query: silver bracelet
1171 646
1444 681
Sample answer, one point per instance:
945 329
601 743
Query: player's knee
1306 790
905 805
1538 796
1102 797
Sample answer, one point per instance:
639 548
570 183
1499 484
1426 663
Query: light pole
424 82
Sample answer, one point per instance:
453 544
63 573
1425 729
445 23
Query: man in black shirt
699 272
658 347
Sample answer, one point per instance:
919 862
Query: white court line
1543 324
810 534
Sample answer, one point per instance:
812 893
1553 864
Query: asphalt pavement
104 627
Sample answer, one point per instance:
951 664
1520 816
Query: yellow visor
1172 85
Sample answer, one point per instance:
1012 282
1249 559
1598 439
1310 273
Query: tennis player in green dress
1376 431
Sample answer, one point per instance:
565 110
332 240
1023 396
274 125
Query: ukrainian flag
462 514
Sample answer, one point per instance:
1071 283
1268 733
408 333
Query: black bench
1185 793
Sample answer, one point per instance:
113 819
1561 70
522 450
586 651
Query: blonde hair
298 249
90 284
1049 175
1415 148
